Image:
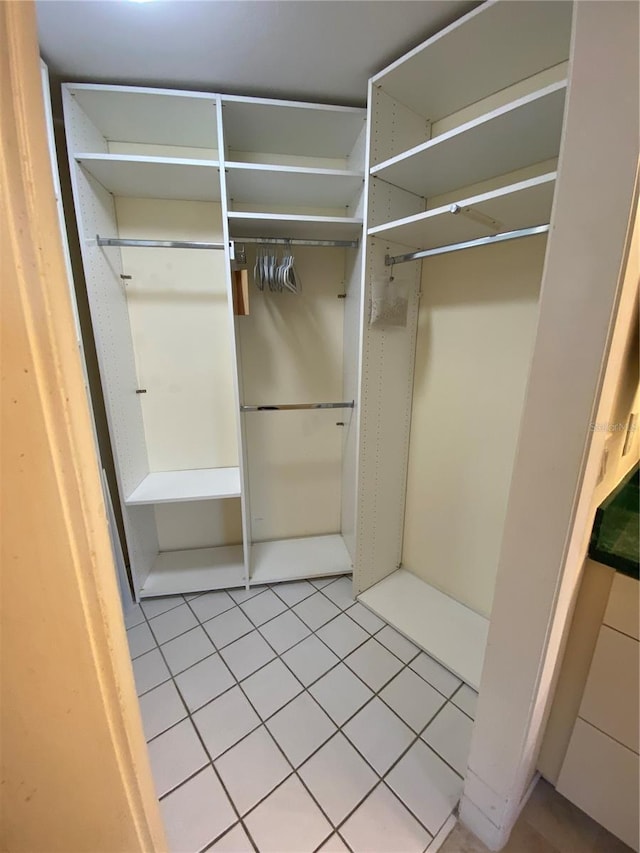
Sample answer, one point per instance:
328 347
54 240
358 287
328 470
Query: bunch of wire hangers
273 274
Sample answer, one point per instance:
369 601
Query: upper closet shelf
501 42
521 133
293 226
158 116
198 484
521 205
281 185
280 127
135 176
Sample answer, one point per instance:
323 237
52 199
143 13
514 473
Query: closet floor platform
291 718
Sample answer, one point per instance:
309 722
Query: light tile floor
290 718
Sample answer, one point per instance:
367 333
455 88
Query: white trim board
294 559
447 630
196 484
195 570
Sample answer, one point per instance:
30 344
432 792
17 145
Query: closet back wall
476 327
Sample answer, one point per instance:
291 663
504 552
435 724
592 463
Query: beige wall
478 313
74 764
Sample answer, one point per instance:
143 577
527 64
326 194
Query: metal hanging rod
287 407
456 247
284 241
157 244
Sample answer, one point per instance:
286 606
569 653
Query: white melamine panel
623 607
198 524
178 309
294 226
600 776
610 699
487 50
292 559
192 485
520 205
195 570
281 127
299 186
159 116
476 331
154 177
394 127
518 134
385 418
444 628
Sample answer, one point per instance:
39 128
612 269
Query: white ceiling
322 50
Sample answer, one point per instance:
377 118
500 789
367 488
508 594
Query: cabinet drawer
623 608
600 776
610 699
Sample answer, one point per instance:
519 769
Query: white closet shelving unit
164 181
465 136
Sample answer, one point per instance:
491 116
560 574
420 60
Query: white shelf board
197 484
294 559
484 52
195 570
287 127
135 176
249 183
520 205
448 631
160 116
519 134
294 226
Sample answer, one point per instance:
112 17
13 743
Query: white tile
300 727
466 699
340 592
270 688
160 709
149 670
365 618
383 825
227 627
252 769
338 778
175 755
319 583
309 660
374 664
284 631
134 616
211 604
450 736
140 640
173 622
263 607
396 643
155 606
247 655
288 821
187 649
235 841
294 591
426 785
240 595
378 734
204 681
224 721
196 813
334 845
342 635
341 693
415 701
316 610
436 674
